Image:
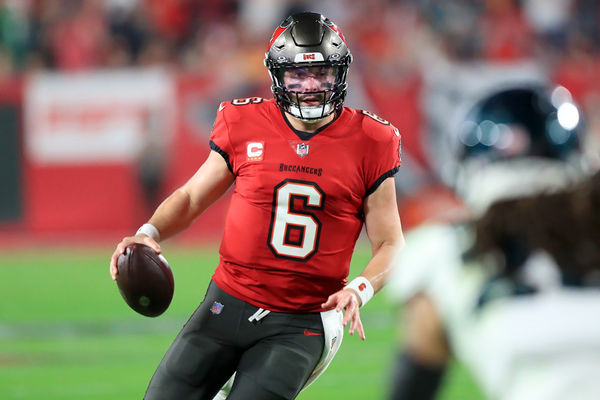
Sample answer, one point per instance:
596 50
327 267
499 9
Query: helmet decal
308 57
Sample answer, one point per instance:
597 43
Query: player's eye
299 73
325 71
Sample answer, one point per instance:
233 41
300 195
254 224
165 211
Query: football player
515 306
308 174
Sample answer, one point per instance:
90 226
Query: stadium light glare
560 95
568 116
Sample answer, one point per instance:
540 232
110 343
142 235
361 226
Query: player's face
313 80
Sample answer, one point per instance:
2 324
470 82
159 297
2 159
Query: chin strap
310 113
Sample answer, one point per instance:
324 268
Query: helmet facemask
306 45
309 93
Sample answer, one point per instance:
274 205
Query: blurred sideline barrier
95 153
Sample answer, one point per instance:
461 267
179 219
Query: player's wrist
149 230
363 289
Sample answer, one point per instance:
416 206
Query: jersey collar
308 135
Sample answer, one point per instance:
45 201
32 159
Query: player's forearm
379 268
175 214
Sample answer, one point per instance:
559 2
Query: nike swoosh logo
309 333
221 106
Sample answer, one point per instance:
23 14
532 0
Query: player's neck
309 127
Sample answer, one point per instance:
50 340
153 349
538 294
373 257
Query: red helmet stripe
276 34
339 32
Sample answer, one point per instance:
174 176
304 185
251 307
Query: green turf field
65 332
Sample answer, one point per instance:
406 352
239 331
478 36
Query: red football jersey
297 208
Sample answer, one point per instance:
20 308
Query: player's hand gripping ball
145 280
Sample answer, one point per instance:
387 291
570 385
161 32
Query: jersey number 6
294 231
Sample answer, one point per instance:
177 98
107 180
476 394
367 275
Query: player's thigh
201 358
277 368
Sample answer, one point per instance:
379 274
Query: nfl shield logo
302 149
216 308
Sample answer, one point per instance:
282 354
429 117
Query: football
145 280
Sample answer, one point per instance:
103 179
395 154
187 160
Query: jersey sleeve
384 159
220 140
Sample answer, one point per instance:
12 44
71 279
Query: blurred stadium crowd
393 37
393 41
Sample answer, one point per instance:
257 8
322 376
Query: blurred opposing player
308 173
509 294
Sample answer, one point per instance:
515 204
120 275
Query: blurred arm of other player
182 207
425 349
385 233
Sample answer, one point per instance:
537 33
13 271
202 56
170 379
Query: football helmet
303 41
517 141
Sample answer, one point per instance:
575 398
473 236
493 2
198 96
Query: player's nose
312 84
